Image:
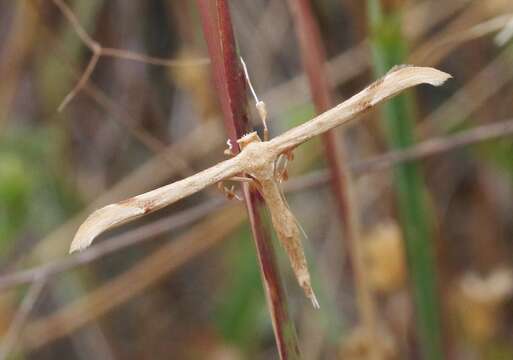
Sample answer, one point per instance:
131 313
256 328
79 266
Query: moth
258 159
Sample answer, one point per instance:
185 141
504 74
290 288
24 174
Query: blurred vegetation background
188 286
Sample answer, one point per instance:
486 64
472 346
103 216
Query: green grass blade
389 49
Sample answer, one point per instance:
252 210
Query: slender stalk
230 84
389 49
314 62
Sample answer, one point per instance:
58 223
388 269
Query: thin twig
99 51
73 20
29 301
417 25
116 243
84 78
485 84
436 146
428 148
471 24
129 55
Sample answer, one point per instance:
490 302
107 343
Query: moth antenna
259 104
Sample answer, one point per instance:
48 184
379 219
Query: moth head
248 139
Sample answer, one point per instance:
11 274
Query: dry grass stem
435 50
257 158
470 97
115 244
506 34
148 271
10 339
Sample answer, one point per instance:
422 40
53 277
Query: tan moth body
258 158
284 221
287 228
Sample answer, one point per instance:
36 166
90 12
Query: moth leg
230 192
280 167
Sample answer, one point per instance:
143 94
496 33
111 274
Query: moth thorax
248 139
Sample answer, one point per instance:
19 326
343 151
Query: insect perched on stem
257 161
284 222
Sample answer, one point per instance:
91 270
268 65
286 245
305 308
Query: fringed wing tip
79 244
102 220
400 78
439 78
86 234
427 75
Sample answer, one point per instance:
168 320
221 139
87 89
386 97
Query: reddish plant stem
231 87
314 60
